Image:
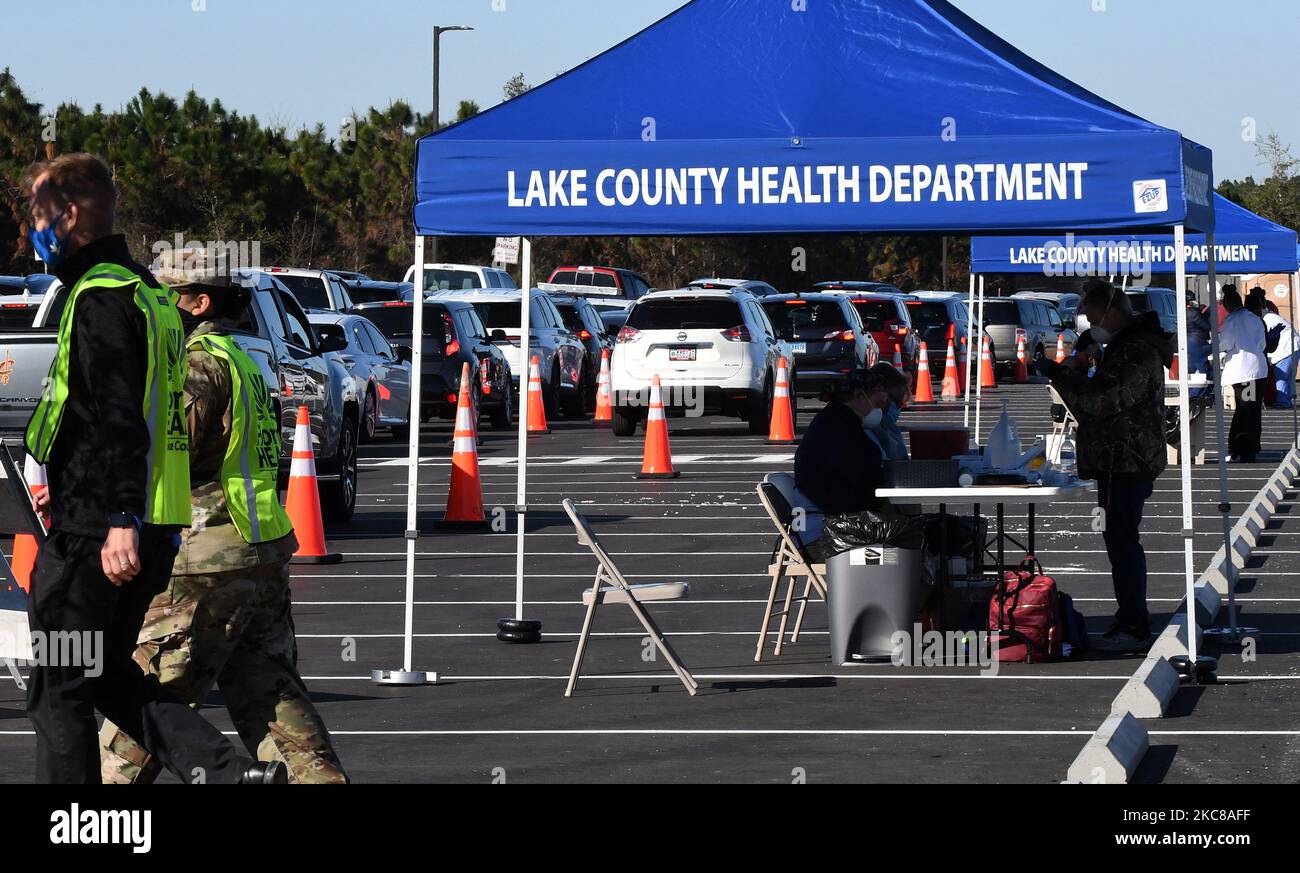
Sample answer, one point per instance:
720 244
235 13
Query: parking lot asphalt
499 714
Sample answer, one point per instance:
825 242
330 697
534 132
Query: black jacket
99 462
1121 409
837 465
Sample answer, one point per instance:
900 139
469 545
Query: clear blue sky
1199 66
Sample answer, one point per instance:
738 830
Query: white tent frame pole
970 343
1225 505
526 360
413 460
979 391
1295 411
1185 442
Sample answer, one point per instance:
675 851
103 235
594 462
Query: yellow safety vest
167 498
251 466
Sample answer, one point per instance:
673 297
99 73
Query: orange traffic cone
924 390
25 545
1022 367
1173 377
303 502
658 462
951 379
465 499
604 400
898 357
1060 348
536 407
964 364
782 432
987 379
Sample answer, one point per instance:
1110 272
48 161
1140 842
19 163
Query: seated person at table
838 466
894 394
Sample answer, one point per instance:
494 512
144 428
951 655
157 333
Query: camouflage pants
235 631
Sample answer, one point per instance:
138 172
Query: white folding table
999 495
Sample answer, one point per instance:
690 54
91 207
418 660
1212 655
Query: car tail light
449 335
484 381
629 335
737 334
584 334
897 328
1021 335
397 303
841 335
452 398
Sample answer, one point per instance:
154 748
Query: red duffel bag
1027 623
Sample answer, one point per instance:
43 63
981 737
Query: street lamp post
437 121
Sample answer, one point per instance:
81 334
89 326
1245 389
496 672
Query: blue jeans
1285 372
1123 499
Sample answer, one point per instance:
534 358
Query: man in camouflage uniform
226 617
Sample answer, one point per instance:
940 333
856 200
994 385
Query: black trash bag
844 533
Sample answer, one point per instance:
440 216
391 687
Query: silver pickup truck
301 369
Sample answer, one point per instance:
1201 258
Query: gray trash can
872 594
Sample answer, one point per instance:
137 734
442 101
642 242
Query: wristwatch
123 519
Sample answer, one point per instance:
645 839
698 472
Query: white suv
315 290
460 277
714 352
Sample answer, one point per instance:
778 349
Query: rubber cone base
467 526
519 631
781 442
317 560
673 475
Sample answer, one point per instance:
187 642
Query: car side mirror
404 353
498 336
331 343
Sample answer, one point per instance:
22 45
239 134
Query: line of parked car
340 343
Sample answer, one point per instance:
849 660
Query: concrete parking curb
1150 690
1112 755
1115 750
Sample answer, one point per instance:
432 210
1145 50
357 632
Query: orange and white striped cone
782 430
658 462
987 379
1060 348
951 379
1022 366
536 406
1173 368
898 357
465 498
924 390
604 398
26 547
303 501
963 365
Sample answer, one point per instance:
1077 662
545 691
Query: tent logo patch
1150 196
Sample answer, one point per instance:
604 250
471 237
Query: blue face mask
895 413
49 248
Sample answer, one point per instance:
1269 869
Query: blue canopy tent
752 116
1244 243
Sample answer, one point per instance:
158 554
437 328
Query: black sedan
453 336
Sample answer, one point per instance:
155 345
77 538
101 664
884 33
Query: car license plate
799 348
681 354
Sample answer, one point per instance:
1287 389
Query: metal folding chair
619 591
789 563
1061 430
